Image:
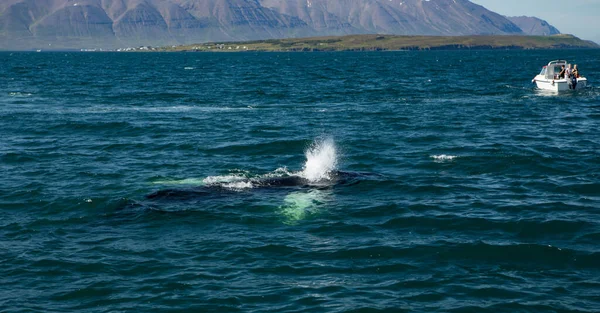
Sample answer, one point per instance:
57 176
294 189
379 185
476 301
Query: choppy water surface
297 182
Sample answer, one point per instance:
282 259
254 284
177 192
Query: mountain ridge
109 24
534 26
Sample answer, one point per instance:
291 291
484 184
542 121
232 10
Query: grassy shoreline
392 43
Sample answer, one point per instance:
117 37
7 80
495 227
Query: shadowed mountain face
75 24
534 25
400 17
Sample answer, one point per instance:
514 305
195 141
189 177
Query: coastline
367 42
389 43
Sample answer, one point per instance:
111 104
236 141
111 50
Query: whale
333 179
293 195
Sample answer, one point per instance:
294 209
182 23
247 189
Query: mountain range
75 24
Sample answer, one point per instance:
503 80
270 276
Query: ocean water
435 181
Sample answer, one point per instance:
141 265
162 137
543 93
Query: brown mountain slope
74 24
406 17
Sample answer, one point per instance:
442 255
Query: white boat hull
558 84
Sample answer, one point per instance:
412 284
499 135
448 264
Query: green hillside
390 43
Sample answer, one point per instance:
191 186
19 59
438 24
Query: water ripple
132 182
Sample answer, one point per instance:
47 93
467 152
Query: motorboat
549 79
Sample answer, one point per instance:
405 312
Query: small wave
186 181
189 68
19 94
168 109
516 87
443 157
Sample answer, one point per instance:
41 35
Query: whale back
336 178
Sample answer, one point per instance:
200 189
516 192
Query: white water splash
321 160
443 157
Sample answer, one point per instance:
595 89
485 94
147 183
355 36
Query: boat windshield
553 71
543 71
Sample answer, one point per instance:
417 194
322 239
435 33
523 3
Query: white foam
186 181
321 160
280 172
223 180
175 108
19 94
443 157
238 185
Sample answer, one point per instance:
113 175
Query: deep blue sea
433 181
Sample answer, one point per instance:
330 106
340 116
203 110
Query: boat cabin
553 68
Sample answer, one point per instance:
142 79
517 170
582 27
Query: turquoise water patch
298 206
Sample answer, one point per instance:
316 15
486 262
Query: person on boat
561 75
575 71
573 78
568 74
